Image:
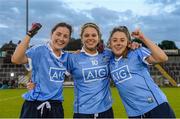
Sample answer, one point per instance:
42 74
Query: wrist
28 37
29 34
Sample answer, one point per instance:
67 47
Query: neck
57 52
90 51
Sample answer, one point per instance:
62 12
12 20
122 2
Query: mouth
60 42
91 42
118 48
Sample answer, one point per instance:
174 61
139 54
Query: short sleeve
143 54
33 57
108 52
69 63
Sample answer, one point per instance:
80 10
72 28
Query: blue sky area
158 19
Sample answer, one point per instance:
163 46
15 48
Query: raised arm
158 55
19 56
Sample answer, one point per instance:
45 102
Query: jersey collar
117 58
83 50
50 48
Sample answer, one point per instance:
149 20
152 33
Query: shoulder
143 49
38 47
107 52
140 51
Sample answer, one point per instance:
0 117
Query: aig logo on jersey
121 74
95 73
57 74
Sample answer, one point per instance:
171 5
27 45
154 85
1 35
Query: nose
118 44
61 38
90 37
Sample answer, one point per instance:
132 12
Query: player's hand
34 29
30 85
138 34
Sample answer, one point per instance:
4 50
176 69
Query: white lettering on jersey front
95 73
57 74
94 62
121 74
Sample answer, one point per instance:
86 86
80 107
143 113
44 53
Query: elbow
166 58
14 60
163 58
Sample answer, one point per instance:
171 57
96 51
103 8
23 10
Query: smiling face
60 38
119 43
90 39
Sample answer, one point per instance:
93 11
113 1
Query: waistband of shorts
50 101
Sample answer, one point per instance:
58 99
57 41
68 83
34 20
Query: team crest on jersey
106 59
121 74
95 73
57 74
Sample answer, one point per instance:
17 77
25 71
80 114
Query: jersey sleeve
69 63
33 57
108 52
143 54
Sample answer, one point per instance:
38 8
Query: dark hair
62 24
123 29
93 25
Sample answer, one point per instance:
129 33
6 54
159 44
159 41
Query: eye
86 35
58 34
114 40
66 36
122 39
94 35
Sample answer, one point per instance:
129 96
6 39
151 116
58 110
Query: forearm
19 56
157 53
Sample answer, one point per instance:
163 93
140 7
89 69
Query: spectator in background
12 84
0 84
4 84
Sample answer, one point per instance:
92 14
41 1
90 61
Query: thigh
56 111
106 114
162 111
29 110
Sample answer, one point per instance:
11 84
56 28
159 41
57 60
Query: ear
109 45
82 42
129 44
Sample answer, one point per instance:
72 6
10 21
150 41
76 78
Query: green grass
11 102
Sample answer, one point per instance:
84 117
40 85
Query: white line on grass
10 98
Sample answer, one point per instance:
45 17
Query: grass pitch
11 102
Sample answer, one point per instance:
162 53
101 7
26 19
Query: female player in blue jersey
90 73
48 63
141 97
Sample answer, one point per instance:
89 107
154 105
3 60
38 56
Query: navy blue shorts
29 109
106 114
162 111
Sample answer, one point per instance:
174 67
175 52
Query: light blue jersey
48 72
91 82
137 89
